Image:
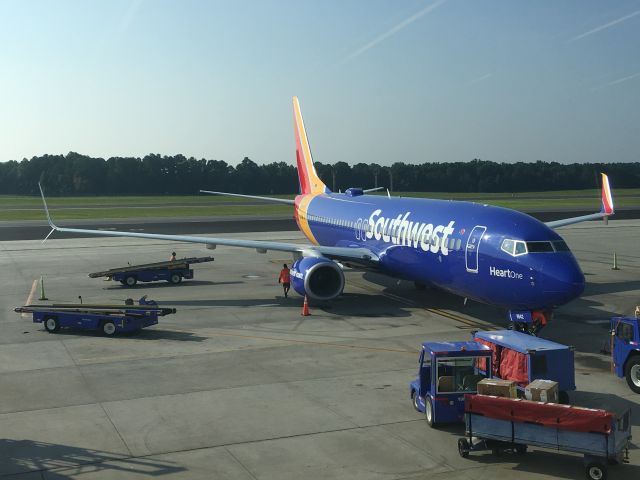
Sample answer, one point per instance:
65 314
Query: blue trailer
524 358
108 319
447 370
499 424
172 271
625 350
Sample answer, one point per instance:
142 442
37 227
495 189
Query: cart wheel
175 278
632 372
521 449
463 447
415 400
51 324
596 471
563 397
428 411
130 281
109 328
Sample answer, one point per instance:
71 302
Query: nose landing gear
529 322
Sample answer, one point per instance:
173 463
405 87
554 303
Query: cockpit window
521 248
539 247
513 247
508 246
560 246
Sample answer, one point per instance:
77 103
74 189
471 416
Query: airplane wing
606 211
357 254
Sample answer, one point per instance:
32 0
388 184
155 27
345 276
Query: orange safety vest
284 276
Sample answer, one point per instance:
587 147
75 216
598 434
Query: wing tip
46 211
607 197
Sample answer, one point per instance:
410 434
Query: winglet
607 197
46 209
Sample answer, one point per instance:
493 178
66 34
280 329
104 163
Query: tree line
76 174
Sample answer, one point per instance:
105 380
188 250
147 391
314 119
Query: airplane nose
562 280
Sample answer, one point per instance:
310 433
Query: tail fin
307 176
607 198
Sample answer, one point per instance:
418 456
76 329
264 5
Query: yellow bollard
42 296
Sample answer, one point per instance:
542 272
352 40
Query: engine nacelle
317 277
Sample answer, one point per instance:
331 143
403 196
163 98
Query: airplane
485 253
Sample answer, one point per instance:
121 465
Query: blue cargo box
546 360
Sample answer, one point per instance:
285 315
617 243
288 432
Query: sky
378 80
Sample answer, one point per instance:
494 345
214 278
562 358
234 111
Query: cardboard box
498 388
542 391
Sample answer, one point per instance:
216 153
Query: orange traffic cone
305 307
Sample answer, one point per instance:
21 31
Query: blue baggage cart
108 319
173 271
602 437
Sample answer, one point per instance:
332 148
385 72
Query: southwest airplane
489 254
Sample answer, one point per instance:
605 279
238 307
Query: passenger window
458 244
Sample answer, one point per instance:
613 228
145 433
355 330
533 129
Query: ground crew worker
285 279
172 258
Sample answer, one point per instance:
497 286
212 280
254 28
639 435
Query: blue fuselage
490 254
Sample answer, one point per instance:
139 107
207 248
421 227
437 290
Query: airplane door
473 247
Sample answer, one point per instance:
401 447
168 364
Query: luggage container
523 358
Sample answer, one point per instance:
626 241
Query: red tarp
495 357
564 417
513 366
506 364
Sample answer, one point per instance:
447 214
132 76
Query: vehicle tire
463 447
420 286
51 324
596 471
130 281
175 278
415 399
496 451
520 449
108 328
632 373
563 397
428 411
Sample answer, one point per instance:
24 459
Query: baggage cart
172 271
497 424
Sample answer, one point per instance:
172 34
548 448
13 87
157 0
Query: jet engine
317 277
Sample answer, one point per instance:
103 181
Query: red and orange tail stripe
607 198
302 216
309 180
